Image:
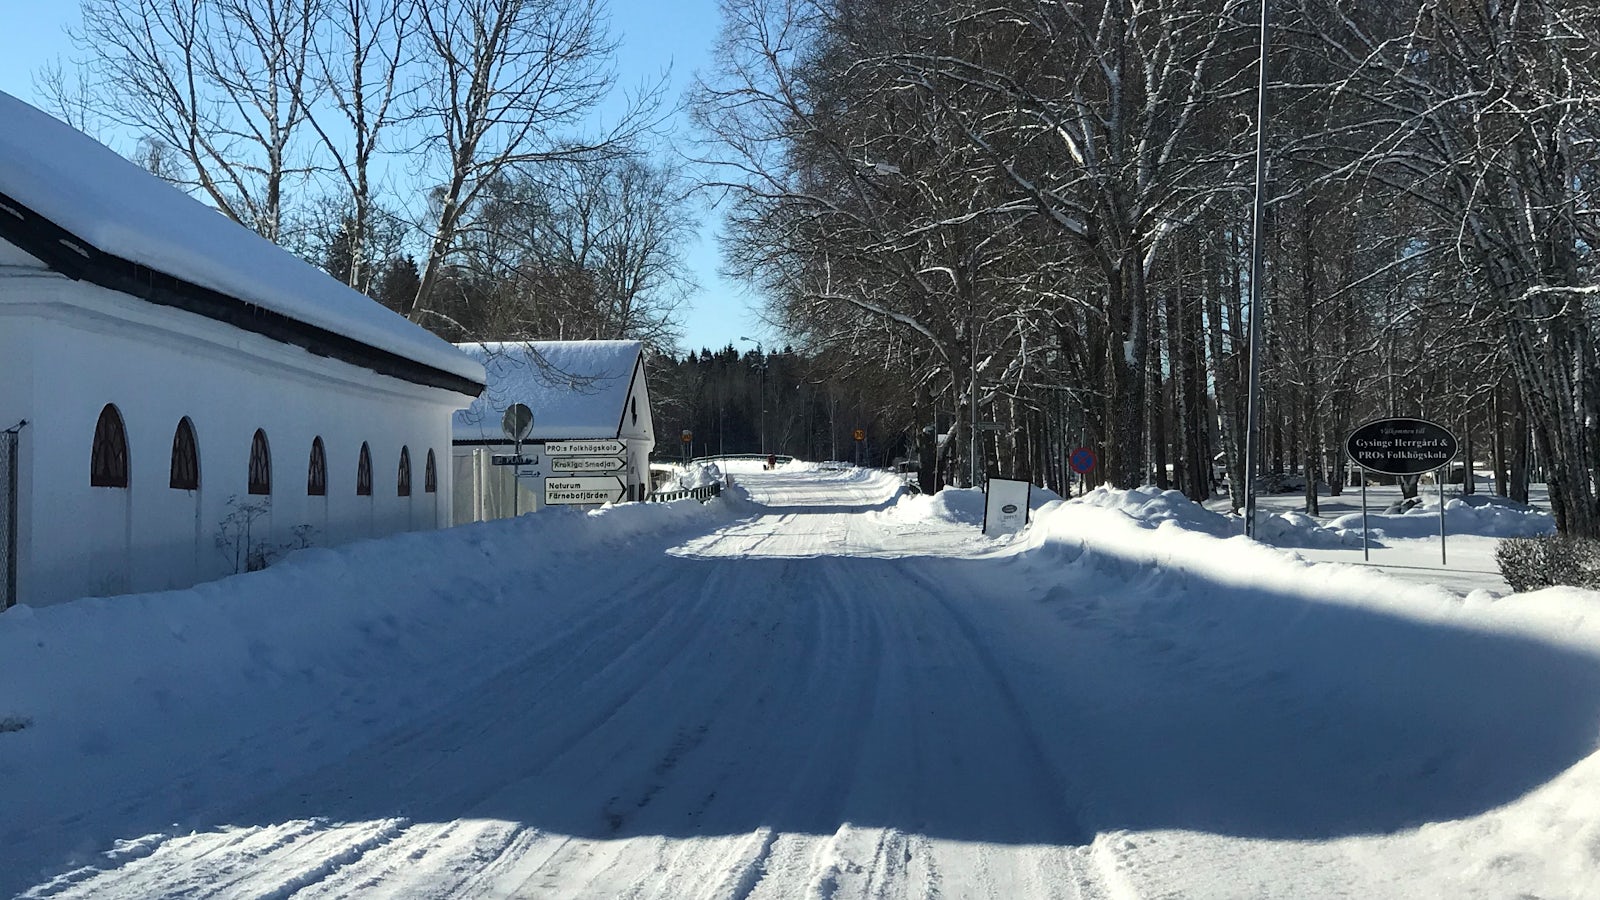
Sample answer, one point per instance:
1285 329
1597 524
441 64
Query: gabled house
181 398
577 391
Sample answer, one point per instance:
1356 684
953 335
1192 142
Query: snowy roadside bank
111 693
1267 726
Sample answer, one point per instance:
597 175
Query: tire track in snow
762 654
270 863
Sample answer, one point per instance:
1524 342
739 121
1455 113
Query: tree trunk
1497 440
1123 451
1521 451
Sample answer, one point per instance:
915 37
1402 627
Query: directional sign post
1405 447
517 424
602 447
583 490
588 465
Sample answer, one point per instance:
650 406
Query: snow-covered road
828 698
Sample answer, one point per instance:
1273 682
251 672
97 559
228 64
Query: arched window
317 470
430 476
108 459
260 464
403 478
185 474
364 472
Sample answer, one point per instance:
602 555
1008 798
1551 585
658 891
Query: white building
177 374
577 391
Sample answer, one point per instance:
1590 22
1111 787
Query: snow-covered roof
576 389
121 210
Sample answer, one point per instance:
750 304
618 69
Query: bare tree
1479 117
626 221
359 57
505 84
222 83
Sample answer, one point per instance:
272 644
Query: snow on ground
813 687
1406 545
688 477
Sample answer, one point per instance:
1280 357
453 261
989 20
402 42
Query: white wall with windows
148 428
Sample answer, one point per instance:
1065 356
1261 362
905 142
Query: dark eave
75 258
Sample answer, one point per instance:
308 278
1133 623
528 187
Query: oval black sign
1009 508
1400 446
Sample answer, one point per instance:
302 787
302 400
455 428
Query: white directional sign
584 448
588 464
580 489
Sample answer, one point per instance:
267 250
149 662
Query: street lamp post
1252 442
763 355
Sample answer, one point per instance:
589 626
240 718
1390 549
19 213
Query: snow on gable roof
123 211
576 389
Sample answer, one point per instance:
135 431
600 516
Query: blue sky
654 36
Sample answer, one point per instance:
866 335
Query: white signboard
595 465
584 448
580 489
1005 506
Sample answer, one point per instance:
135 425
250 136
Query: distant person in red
772 460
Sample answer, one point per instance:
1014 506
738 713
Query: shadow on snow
1035 699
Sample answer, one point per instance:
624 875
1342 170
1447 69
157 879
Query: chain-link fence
8 518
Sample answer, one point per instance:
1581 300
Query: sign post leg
1441 518
1365 555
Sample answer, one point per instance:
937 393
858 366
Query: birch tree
1486 112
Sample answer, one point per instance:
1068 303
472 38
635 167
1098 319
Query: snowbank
959 506
110 689
1480 516
1484 516
1421 704
692 476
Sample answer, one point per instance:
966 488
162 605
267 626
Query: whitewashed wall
67 349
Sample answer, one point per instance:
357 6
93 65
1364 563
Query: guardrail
758 457
703 494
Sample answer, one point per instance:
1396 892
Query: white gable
576 389
122 210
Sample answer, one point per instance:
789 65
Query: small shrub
243 547
1528 564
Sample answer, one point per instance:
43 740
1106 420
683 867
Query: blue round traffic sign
1081 460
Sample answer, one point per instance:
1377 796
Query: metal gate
8 518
